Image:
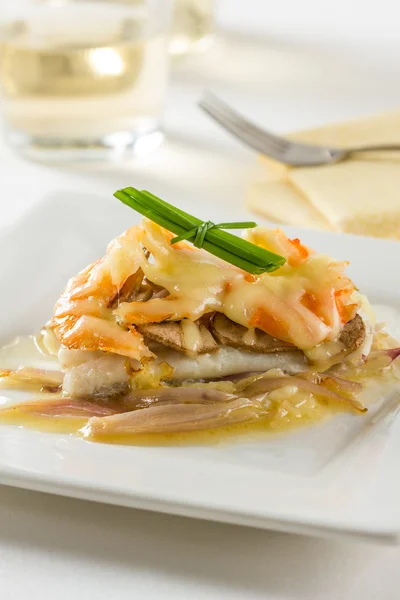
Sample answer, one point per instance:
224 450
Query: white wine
192 26
71 72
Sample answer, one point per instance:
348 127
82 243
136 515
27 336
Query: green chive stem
228 247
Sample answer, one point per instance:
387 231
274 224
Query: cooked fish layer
99 374
94 374
229 361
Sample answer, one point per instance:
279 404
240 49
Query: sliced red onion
377 360
176 418
31 379
61 407
237 376
341 385
174 395
392 353
269 384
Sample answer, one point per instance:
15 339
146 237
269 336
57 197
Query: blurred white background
354 28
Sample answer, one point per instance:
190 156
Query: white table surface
311 66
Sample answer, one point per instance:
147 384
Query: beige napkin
361 195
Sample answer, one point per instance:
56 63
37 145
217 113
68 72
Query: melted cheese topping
305 302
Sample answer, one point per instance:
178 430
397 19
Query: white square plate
338 478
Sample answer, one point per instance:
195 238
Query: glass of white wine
193 25
83 79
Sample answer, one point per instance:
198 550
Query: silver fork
277 147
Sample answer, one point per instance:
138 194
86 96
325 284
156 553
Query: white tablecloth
313 62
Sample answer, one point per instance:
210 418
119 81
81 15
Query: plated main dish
183 328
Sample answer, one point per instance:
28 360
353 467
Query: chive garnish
203 234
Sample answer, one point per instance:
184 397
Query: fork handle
374 148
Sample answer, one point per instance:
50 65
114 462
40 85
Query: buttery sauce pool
283 418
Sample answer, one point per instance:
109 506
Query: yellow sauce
285 415
277 422
24 351
48 424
